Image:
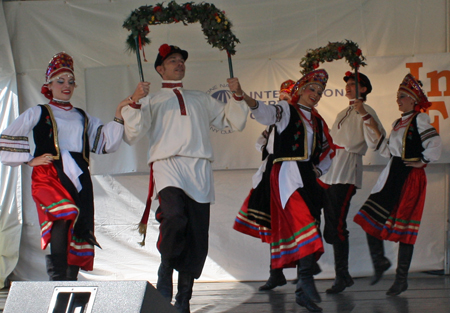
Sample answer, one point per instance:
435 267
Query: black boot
380 263
405 253
164 284
276 279
316 271
56 266
72 272
306 279
343 278
184 294
304 301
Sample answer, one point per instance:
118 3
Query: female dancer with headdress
61 183
394 209
302 151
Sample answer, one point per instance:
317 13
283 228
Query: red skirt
53 202
295 233
401 223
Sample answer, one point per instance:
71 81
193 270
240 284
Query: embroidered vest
292 143
45 134
412 143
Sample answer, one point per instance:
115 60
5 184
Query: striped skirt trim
402 222
54 203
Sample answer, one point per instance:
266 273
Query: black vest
412 143
292 143
45 134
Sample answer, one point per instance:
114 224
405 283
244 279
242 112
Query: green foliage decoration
215 25
347 50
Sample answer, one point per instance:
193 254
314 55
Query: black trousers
337 205
183 231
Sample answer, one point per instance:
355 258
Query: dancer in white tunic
177 123
352 137
394 209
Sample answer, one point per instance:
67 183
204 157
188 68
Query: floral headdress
287 86
319 77
60 62
413 88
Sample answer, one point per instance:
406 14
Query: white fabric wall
274 36
10 178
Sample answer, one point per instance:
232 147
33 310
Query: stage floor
426 293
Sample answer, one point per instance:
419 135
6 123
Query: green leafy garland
215 24
333 51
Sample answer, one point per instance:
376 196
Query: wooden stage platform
426 294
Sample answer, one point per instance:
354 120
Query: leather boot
405 253
380 263
184 294
56 266
302 300
72 272
276 279
306 279
316 271
343 278
164 284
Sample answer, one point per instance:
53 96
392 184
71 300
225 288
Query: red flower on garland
157 9
164 50
188 7
358 52
340 49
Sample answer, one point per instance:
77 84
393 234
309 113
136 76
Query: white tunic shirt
180 145
394 145
70 125
353 138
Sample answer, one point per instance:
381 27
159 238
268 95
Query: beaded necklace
65 105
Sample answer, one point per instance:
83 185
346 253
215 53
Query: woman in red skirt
61 183
301 151
394 208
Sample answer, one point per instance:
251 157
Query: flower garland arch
215 25
347 50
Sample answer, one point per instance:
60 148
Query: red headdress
319 77
287 86
61 62
413 88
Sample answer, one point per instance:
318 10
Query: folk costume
352 139
394 209
62 190
254 220
177 123
290 224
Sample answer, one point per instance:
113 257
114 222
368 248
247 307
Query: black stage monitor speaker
86 297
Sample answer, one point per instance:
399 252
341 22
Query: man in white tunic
352 137
177 122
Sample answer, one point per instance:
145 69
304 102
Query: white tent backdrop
274 36
10 181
